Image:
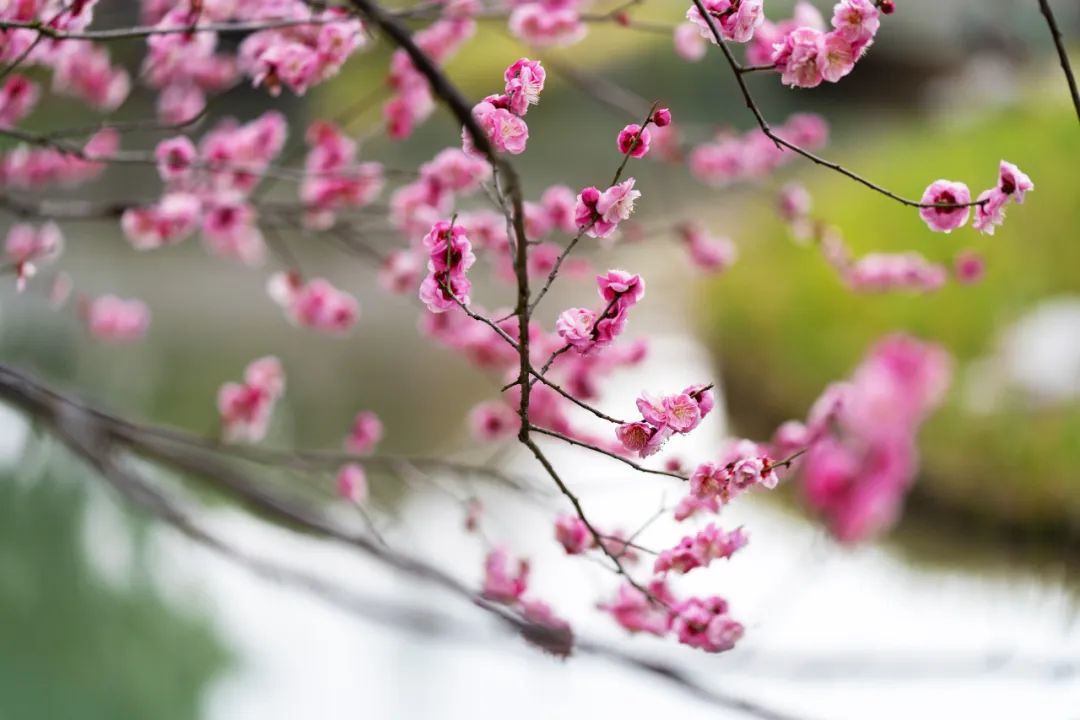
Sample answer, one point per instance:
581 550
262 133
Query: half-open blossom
945 192
634 141
524 82
1013 182
990 212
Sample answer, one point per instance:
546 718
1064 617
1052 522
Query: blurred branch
85 432
1059 43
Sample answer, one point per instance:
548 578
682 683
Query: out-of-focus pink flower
351 483
365 433
501 582
113 319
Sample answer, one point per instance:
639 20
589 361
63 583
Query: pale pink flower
575 326
689 43
836 56
617 202
1013 182
682 412
945 219
991 212
797 58
113 319
856 21
637 613
494 420
969 267
351 482
400 272
706 252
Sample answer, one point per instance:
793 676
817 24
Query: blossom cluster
314 304
27 167
730 157
663 417
80 68
584 329
334 180
412 102
501 117
951 201
246 407
208 188
450 255
860 436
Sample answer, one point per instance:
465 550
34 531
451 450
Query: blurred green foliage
78 646
784 326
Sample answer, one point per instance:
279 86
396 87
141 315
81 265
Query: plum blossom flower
351 483
365 433
175 158
113 319
634 141
246 407
735 19
637 613
572 534
689 43
1013 182
969 267
708 253
501 583
576 327
797 58
316 304
27 246
524 82
945 192
704 623
490 421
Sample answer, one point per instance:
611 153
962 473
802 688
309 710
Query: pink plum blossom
945 192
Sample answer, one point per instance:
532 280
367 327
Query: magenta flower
945 219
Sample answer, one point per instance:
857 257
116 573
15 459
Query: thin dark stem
626 461
1063 56
738 71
